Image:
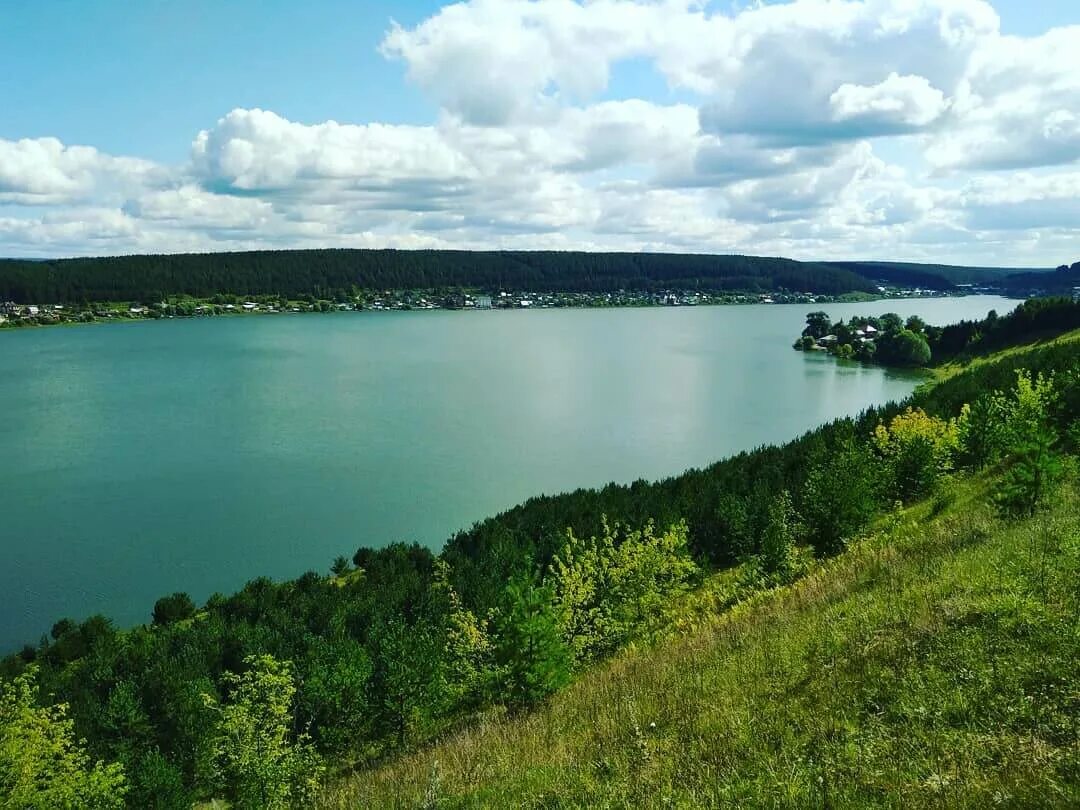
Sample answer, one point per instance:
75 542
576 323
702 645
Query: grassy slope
936 663
954 367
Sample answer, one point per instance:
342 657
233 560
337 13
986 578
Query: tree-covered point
890 341
325 273
253 695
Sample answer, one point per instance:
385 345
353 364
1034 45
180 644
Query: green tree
917 449
407 683
904 348
817 325
41 763
777 562
340 566
468 651
610 588
535 662
173 608
840 497
1033 470
259 762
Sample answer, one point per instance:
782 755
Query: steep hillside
934 664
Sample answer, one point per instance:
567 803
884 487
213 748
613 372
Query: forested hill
324 272
1063 280
936 276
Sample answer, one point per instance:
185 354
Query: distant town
14 315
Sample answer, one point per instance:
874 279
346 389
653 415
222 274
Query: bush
918 450
173 608
609 588
840 497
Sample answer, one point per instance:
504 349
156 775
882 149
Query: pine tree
536 662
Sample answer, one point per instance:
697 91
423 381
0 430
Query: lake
144 458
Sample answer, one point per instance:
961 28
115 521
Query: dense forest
1064 279
293 273
253 696
933 276
888 340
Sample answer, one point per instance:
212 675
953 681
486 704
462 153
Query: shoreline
54 315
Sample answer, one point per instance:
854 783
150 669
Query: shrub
609 588
918 450
173 608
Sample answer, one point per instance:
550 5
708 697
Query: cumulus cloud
812 128
44 170
1017 106
898 104
257 150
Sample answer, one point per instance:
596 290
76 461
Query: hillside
1064 280
931 276
934 664
326 272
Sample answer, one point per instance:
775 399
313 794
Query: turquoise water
143 458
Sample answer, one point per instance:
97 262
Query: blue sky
938 130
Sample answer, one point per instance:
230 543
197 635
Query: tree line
254 695
326 273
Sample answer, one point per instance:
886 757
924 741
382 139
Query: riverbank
19 315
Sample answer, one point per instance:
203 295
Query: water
143 458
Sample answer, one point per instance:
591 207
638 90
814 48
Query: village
13 314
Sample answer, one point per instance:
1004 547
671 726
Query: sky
916 130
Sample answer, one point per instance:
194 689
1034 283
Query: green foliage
777 562
173 608
610 588
340 566
918 450
468 649
42 765
534 659
904 348
840 497
407 683
1034 468
157 784
260 763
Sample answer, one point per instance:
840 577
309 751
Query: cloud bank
893 129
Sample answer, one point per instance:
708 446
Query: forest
328 273
260 696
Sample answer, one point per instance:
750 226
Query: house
870 330
828 340
250 306
32 310
483 302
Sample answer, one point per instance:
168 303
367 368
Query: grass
934 664
954 367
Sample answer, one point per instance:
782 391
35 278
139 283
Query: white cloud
813 128
899 103
44 170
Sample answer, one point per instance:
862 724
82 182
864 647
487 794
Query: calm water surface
144 458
